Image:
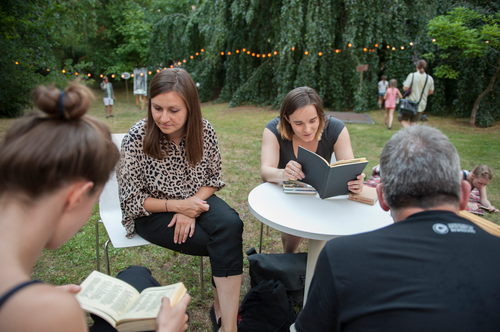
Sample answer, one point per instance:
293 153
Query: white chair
111 217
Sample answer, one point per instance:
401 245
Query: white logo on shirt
440 228
454 228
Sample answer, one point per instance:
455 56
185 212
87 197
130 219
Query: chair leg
107 256
201 277
260 245
98 266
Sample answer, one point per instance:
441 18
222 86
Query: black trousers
137 276
218 234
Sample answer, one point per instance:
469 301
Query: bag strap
426 77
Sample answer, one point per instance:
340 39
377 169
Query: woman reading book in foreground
53 166
302 122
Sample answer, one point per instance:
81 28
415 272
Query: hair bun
76 100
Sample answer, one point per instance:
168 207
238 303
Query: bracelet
166 207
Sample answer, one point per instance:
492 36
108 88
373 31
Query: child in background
382 88
390 101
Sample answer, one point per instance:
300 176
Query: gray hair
419 167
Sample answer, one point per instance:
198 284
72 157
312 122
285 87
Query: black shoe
216 325
111 116
423 118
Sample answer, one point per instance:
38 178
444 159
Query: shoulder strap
11 292
423 89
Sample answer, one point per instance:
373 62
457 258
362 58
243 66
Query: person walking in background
390 101
382 87
422 86
108 96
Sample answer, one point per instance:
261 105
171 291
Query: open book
121 305
329 180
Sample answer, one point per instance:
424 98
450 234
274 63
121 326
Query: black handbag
409 107
287 268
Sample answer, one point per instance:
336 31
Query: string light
48 69
171 66
76 73
63 71
365 49
142 74
149 72
349 45
320 54
237 51
402 47
263 55
434 40
388 46
275 53
112 75
197 53
191 57
202 50
411 43
258 55
17 63
179 63
166 67
184 60
88 75
229 53
306 52
221 53
393 48
123 76
157 70
101 76
244 50
253 54
293 48
376 45
487 42
131 75
269 55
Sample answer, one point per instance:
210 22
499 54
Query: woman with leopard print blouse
169 171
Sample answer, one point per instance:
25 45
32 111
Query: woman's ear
77 190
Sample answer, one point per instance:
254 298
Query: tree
469 34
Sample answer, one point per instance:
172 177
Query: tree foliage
466 34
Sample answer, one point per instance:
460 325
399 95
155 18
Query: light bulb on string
197 53
275 53
253 54
376 45
76 73
131 75
434 40
112 75
221 53
202 50
320 53
293 48
258 55
157 70
393 48
411 43
184 60
306 52
149 72
179 63
17 63
63 71
88 75
191 57
349 45
248 52
263 55
365 49
229 53
101 76
244 50
402 47
237 51
269 55
142 74
171 66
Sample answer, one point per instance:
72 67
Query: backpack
266 308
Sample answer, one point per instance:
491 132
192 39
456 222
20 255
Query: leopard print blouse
141 176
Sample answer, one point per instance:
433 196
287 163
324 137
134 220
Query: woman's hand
491 208
356 186
193 207
72 289
173 319
184 227
293 171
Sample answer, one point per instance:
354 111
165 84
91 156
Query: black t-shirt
434 271
333 128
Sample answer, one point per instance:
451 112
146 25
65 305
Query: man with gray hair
432 270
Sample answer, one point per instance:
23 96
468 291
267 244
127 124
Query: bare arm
191 207
430 92
343 151
269 159
399 94
406 88
483 198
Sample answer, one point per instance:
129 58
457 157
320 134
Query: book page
148 303
348 161
106 296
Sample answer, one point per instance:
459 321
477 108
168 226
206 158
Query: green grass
239 132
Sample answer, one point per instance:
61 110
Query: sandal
215 324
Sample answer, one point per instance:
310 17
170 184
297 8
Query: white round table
310 217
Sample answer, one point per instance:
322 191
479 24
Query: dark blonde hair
393 83
54 146
295 99
482 171
421 65
179 81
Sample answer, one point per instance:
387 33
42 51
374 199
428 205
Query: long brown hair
179 81
295 99
483 171
55 145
